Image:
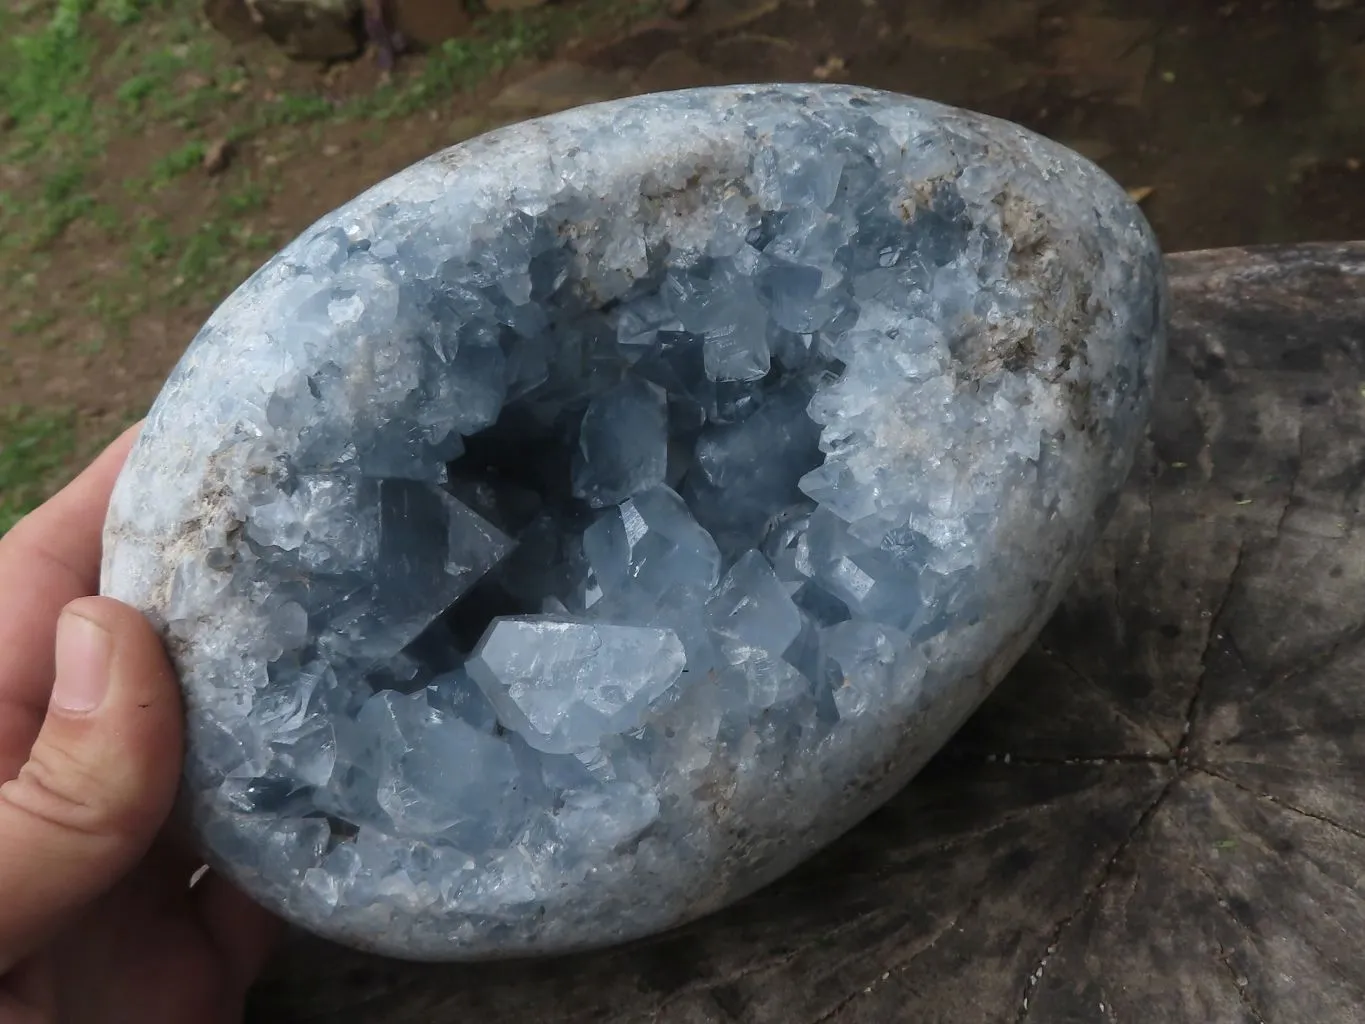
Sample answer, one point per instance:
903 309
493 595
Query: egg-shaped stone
578 529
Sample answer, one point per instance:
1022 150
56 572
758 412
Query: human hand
98 919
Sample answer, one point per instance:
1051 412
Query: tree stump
1160 815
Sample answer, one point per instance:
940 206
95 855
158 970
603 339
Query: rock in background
304 29
328 30
513 5
427 23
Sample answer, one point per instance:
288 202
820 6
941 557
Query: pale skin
98 921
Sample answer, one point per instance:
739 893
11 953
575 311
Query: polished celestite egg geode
576 530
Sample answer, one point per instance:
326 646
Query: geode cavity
576 530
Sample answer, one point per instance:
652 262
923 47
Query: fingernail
83 649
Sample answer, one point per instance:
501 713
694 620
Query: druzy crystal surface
576 530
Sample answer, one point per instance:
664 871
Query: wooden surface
1160 816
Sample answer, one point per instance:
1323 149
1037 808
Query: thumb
101 778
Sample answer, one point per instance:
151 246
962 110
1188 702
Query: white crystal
565 685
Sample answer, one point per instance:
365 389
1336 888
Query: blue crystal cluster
586 524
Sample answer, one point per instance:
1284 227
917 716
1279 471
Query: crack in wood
1278 801
1182 764
1216 633
1240 983
1302 673
703 985
1289 503
1089 896
1085 677
1068 762
886 975
1348 639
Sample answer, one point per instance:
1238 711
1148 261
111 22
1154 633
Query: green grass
64 198
42 91
168 69
85 81
200 264
246 198
462 63
35 322
36 447
152 241
177 162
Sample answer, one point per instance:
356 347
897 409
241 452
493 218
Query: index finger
50 558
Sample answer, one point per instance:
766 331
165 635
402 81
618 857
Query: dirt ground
184 161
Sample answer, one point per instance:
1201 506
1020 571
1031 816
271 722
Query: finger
243 932
50 557
101 778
